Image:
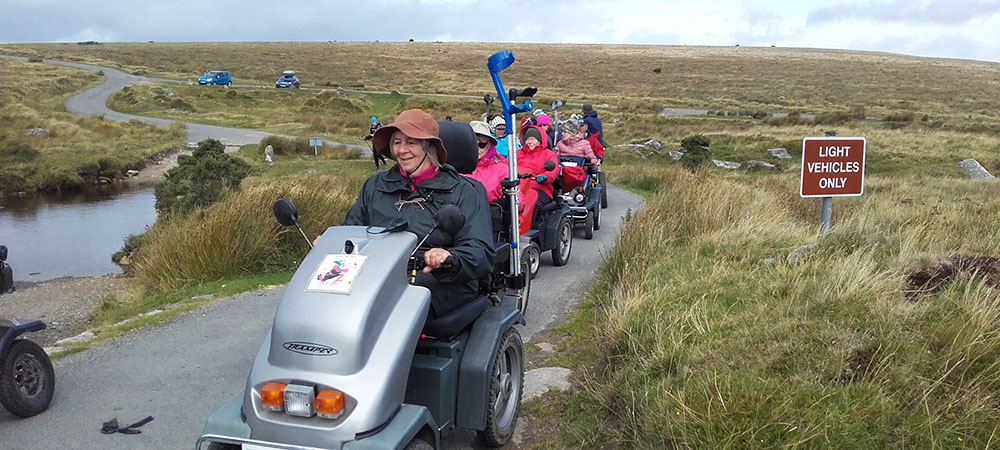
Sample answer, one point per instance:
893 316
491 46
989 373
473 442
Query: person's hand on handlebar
436 258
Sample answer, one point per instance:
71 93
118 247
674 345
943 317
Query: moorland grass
72 150
722 318
716 78
708 336
239 236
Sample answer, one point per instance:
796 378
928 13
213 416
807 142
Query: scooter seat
454 321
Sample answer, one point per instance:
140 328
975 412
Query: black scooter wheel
564 242
588 226
525 291
419 444
604 189
534 258
503 402
27 380
597 217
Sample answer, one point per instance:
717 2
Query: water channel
74 234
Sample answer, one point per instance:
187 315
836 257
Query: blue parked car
216 77
287 80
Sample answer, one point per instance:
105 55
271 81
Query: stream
72 235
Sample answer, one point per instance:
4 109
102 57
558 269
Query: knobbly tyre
27 380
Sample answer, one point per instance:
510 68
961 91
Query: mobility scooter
353 365
27 380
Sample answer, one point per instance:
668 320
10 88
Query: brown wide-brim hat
415 124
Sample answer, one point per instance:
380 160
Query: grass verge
707 333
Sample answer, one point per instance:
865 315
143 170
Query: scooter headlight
578 197
300 400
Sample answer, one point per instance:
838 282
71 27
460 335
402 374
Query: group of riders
422 181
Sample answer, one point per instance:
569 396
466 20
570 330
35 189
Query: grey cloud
268 20
945 12
951 44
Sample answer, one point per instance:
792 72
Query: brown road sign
833 167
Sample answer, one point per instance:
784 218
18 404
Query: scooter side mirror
450 219
488 99
557 104
285 212
549 165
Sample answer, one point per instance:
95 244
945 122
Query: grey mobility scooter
27 380
353 365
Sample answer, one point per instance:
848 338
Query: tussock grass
706 342
239 236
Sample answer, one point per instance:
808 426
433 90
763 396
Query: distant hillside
644 77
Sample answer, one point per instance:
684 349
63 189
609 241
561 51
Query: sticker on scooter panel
309 348
336 274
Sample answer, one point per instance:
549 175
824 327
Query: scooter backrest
460 142
3 252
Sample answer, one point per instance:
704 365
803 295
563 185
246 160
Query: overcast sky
944 28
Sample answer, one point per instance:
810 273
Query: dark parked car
287 80
216 77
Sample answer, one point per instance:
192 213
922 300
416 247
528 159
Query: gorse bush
200 179
696 151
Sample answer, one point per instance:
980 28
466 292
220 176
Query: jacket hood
544 136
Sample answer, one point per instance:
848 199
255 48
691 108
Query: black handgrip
449 261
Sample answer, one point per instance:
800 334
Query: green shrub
696 151
199 179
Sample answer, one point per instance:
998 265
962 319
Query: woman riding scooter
531 158
414 190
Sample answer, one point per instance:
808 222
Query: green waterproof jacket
387 195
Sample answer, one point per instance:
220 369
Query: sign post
832 167
316 143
